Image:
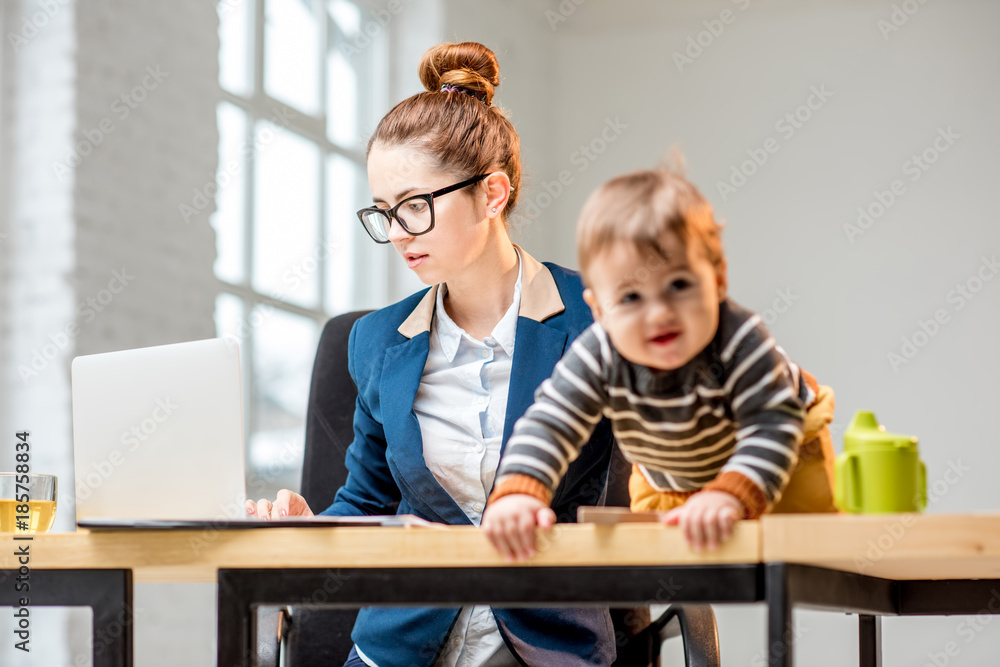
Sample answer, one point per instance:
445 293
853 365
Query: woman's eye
417 206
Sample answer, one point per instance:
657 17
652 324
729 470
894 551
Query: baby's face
657 313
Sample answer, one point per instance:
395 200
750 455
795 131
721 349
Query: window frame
259 106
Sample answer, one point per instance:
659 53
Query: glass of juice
27 502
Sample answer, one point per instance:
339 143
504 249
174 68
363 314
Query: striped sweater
731 419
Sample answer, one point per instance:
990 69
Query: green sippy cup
879 471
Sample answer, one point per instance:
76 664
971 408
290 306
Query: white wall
110 112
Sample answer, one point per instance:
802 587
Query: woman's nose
396 231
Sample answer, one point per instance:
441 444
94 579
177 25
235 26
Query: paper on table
248 523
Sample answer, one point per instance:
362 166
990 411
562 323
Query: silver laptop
158 434
158 441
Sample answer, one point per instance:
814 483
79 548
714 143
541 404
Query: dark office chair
323 636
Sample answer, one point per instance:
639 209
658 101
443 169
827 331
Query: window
291 174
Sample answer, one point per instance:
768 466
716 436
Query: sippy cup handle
848 488
922 498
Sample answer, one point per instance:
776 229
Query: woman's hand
510 521
287 503
707 518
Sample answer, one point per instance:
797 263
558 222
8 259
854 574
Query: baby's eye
631 297
680 284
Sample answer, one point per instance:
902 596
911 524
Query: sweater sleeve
567 408
763 389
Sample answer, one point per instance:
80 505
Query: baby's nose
660 308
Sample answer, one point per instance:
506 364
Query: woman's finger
264 509
282 501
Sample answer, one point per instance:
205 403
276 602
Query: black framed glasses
414 214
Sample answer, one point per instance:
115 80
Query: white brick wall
111 125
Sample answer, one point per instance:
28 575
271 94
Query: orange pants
810 487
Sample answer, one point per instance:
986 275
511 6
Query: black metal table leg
788 585
234 620
107 592
870 640
241 591
778 596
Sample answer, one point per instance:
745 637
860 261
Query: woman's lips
415 261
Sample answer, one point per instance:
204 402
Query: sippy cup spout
864 419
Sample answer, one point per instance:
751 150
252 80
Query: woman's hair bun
468 65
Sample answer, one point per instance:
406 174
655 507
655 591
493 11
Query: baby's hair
454 122
641 208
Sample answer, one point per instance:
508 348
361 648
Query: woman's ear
497 193
590 298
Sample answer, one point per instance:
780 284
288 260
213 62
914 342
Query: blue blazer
386 471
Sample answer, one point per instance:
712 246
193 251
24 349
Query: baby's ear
722 281
591 300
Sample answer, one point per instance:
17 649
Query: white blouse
461 406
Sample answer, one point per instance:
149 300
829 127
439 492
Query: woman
443 375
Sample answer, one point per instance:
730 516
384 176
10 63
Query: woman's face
461 227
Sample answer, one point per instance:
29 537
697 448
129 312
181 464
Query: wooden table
871 565
350 559
900 564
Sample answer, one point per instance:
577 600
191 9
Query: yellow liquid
41 515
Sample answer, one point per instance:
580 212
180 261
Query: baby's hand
510 521
707 518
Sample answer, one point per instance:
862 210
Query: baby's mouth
666 338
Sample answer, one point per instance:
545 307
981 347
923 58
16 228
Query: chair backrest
323 636
330 416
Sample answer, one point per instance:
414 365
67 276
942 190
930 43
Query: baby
704 403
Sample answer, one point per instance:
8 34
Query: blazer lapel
537 349
402 368
537 346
